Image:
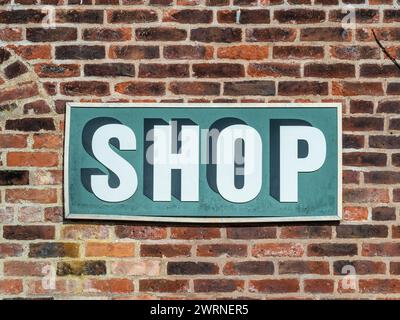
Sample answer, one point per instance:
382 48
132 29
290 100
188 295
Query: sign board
203 163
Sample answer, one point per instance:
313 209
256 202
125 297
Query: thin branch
385 51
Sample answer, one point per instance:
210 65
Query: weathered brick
136 268
220 249
299 16
331 249
158 70
11 286
382 249
37 107
79 16
258 16
383 213
21 16
215 34
80 52
218 70
27 232
23 91
381 286
395 268
249 268
355 52
331 70
298 52
15 69
51 35
24 268
318 285
101 249
351 141
191 268
392 15
362 159
274 286
30 124
109 70
384 142
251 233
365 195
325 34
51 70
354 213
277 250
195 233
53 250
32 159
351 176
274 70
80 268
160 34
362 124
393 88
194 88
303 267
250 88
218 285
47 141
14 177
10 34
360 15
132 16
108 286
134 88
165 250
31 196
134 52
190 16
107 34
85 88
292 88
83 232
306 232
362 267
361 231
270 35
163 285
10 250
140 232
379 71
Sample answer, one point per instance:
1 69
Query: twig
385 51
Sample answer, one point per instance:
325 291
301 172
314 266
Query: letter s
103 152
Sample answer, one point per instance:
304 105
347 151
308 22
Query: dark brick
325 34
292 88
141 88
270 34
79 16
53 250
361 159
254 16
38 107
383 214
21 16
379 71
304 267
362 124
15 70
382 177
384 142
299 16
249 88
306 232
249 268
80 52
361 106
81 268
362 267
134 52
163 285
190 16
195 88
191 268
110 70
217 250
14 177
51 35
218 70
157 70
30 124
165 250
215 34
78 88
351 141
251 233
331 249
160 34
361 231
187 52
107 34
331 70
393 88
28 232
218 285
273 70
132 16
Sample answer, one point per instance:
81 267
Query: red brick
251 233
292 88
274 70
220 249
165 250
189 16
298 52
355 52
13 141
325 34
10 250
331 70
249 268
194 88
140 232
355 213
362 267
11 286
299 16
382 249
134 52
24 268
107 34
32 159
135 88
23 91
270 35
85 88
37 107
195 233
101 249
108 285
215 34
245 52
29 232
10 34
331 249
31 195
277 250
50 70
303 267
131 16
365 195
362 159
218 285
381 286
160 34
274 286
163 285
306 232
318 286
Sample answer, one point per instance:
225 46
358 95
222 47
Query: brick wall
197 51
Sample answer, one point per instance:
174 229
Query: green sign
202 162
